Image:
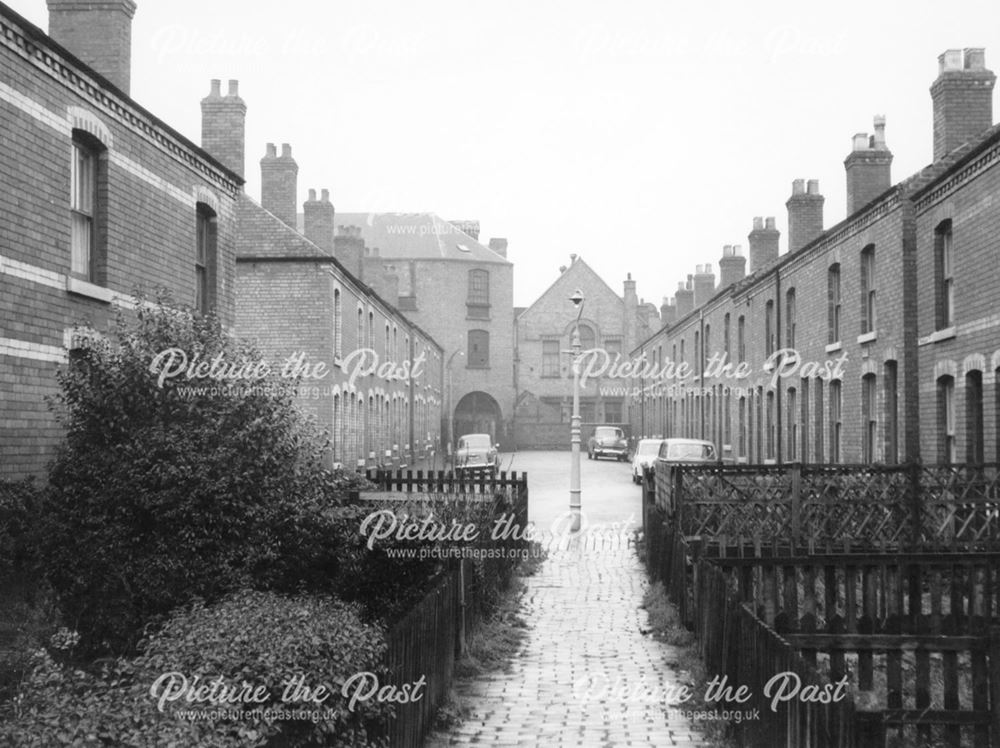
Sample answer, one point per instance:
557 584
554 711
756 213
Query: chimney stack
732 266
317 218
963 99
223 126
805 215
99 33
868 167
499 246
668 312
763 242
684 298
704 284
467 227
278 189
349 249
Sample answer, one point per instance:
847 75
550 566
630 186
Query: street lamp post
574 429
451 411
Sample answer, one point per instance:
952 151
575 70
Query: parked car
687 450
607 441
646 452
477 453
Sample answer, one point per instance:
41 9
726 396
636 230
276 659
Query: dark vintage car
607 441
477 453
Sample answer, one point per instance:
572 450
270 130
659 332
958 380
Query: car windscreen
608 433
693 452
475 442
648 448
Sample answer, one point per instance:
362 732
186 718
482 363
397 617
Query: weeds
666 626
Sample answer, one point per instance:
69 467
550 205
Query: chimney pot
813 187
798 186
286 150
975 58
216 88
950 59
861 142
325 196
768 224
271 151
758 223
234 87
879 136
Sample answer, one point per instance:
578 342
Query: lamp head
577 298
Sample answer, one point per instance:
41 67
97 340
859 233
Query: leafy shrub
388 583
259 638
164 493
20 502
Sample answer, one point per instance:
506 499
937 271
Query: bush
388 583
258 638
164 493
20 502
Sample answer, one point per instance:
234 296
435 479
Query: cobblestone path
587 674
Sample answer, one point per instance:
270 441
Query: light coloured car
477 453
646 452
687 450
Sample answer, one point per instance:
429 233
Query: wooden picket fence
428 640
837 592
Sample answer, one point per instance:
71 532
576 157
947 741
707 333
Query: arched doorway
478 413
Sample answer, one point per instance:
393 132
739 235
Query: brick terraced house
374 381
98 197
891 312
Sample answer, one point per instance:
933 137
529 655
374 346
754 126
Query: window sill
833 347
868 337
90 290
481 368
938 336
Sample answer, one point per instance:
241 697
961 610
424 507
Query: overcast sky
641 134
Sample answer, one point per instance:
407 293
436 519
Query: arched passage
478 413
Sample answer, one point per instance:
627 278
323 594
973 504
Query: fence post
796 508
461 607
916 503
994 685
676 479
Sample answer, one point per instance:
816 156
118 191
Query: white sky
641 134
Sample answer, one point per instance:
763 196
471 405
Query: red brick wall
970 199
154 179
885 226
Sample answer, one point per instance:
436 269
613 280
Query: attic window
464 248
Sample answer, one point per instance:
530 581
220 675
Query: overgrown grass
665 626
490 648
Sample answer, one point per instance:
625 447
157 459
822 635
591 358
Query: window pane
550 358
81 243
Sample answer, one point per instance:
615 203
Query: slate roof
417 236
